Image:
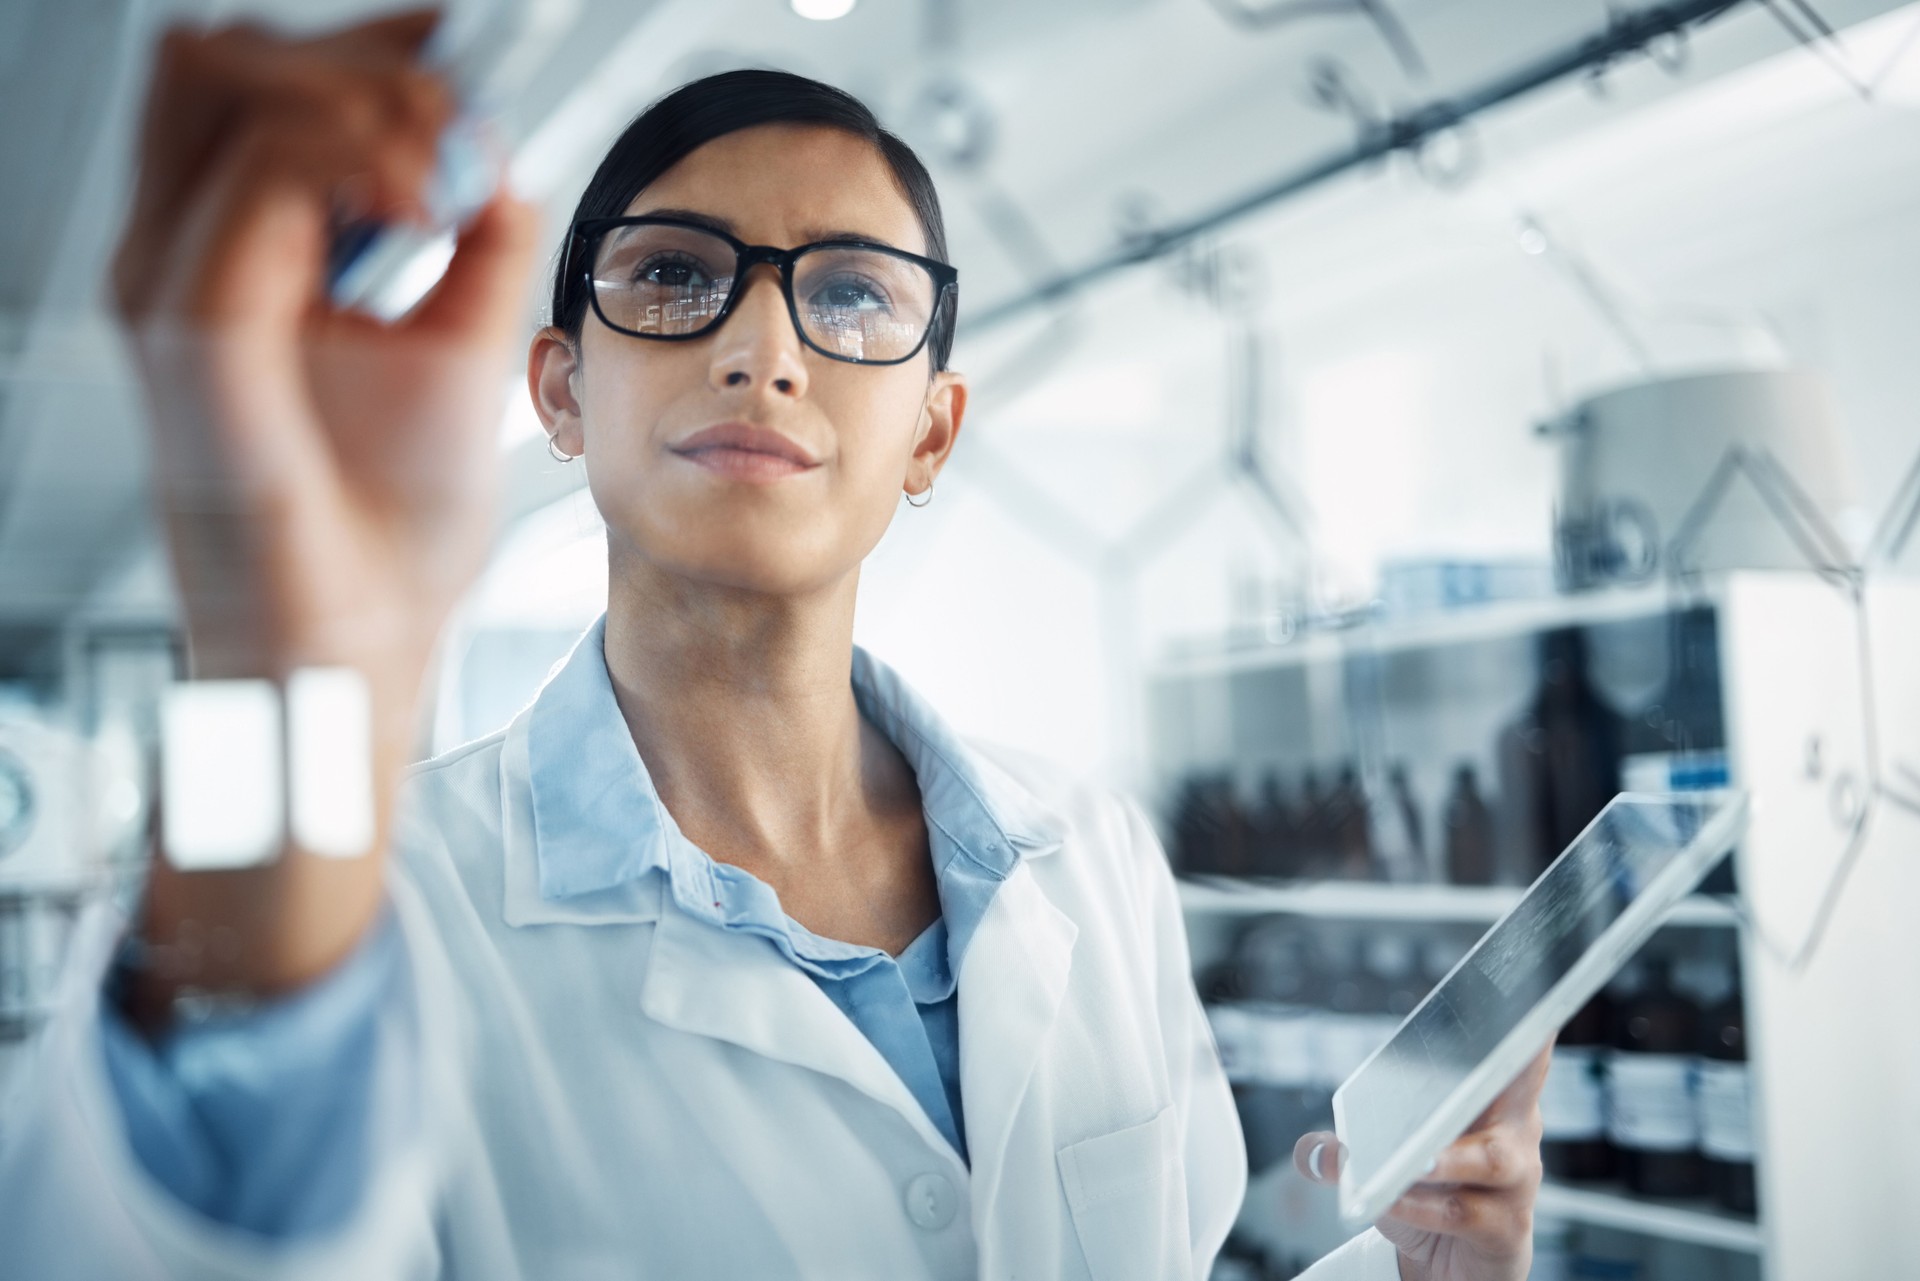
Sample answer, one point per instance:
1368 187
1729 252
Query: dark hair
705 109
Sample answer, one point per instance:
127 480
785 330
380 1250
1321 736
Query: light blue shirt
599 823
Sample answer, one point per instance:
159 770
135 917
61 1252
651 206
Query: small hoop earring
559 455
925 496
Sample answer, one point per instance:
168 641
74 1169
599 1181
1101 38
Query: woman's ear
939 428
553 363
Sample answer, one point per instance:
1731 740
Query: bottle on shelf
1270 830
1469 833
1313 831
1408 809
1210 828
1652 1118
1393 829
1573 1104
1559 762
1349 830
1231 821
1725 1096
1677 742
1688 713
1192 843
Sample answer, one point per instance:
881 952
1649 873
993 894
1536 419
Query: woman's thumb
480 297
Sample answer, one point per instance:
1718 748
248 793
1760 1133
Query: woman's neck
742 707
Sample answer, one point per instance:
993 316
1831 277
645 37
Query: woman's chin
740 559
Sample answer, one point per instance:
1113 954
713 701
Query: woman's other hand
1471 1218
325 480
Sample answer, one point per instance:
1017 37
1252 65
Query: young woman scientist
728 957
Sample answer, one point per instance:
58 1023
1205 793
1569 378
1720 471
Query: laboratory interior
1405 440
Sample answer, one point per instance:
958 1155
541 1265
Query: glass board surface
1530 972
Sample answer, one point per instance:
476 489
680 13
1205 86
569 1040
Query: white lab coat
610 1090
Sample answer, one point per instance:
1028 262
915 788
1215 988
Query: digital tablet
1532 971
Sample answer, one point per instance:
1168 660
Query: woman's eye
852 293
671 273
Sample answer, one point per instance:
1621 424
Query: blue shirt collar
599 822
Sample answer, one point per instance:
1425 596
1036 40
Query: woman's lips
744 464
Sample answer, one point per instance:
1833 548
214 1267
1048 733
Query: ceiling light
822 10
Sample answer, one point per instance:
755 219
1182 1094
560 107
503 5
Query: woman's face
629 405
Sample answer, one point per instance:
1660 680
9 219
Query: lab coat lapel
737 988
1012 980
522 902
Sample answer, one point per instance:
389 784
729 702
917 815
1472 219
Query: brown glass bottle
1195 851
1270 830
1651 1116
1313 830
1574 1145
1726 1106
1469 831
1559 762
1350 830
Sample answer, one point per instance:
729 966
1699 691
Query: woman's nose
757 346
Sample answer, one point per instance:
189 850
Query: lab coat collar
597 818
579 842
524 902
730 987
721 985
598 823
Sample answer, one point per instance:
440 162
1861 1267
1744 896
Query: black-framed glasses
669 279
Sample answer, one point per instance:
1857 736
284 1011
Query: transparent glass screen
1583 919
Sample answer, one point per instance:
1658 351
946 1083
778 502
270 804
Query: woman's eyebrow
814 235
716 223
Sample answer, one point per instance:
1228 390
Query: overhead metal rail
1626 34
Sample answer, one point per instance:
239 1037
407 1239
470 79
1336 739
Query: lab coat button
930 1201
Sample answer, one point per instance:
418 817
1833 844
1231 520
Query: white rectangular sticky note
330 761
221 792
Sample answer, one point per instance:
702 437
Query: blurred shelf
1374 901
1697 1222
1465 625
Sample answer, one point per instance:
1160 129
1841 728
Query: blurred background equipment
1639 462
1504 730
1260 301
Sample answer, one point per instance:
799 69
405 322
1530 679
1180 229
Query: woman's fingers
1474 1213
481 295
1521 1098
251 245
230 319
1479 1191
1497 1157
1504 1155
212 92
1318 1156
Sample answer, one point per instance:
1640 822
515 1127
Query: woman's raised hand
1471 1218
326 480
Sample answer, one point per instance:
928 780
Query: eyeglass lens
859 304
